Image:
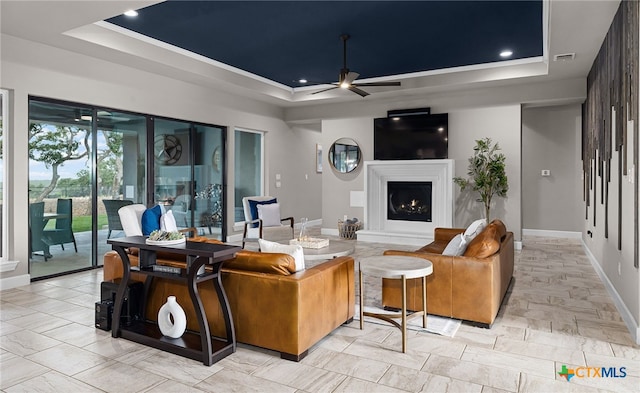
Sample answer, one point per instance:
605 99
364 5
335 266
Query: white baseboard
330 231
234 238
550 233
627 317
15 281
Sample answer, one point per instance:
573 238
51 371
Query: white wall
501 123
551 139
29 68
337 187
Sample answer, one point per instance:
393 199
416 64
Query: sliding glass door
121 170
60 193
189 170
87 162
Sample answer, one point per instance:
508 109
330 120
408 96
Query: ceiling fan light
345 85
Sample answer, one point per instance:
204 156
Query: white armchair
270 226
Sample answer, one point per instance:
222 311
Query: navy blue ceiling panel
288 40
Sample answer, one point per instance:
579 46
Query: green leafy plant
159 235
486 173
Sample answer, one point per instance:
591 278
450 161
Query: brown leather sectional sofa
468 287
272 307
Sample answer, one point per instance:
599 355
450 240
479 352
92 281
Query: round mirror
344 155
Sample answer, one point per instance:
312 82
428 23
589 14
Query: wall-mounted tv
414 137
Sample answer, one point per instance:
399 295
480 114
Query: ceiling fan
347 78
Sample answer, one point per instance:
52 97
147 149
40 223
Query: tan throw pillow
485 244
261 262
502 229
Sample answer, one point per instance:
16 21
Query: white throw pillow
269 214
456 246
475 228
168 222
294 250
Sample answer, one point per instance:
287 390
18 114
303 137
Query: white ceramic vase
171 309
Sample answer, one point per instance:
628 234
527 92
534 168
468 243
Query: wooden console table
194 345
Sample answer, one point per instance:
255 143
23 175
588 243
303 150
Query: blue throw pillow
253 207
151 220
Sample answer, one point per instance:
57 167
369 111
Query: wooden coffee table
396 266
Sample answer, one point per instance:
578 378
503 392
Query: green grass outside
82 223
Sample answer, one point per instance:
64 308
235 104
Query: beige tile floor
556 313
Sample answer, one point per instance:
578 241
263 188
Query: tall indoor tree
486 172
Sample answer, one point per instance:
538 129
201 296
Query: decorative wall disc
168 149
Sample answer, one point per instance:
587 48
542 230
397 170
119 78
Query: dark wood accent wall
613 83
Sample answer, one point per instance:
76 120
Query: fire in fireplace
409 201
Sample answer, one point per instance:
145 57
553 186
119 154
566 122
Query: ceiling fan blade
350 77
361 93
380 84
323 90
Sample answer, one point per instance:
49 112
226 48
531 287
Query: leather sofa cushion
262 262
435 247
485 244
501 228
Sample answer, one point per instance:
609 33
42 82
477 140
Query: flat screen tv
414 137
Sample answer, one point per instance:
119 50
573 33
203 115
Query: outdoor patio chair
63 232
37 241
112 206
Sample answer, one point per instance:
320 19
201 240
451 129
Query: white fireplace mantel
376 175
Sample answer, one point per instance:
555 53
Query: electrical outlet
545 172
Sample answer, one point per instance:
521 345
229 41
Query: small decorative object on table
163 238
172 320
347 228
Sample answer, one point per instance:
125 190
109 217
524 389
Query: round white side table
402 267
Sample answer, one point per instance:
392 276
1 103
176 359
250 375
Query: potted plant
486 173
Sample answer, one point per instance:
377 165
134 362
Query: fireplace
409 201
402 218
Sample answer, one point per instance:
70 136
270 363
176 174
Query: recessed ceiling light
302 80
131 13
506 53
440 129
395 118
